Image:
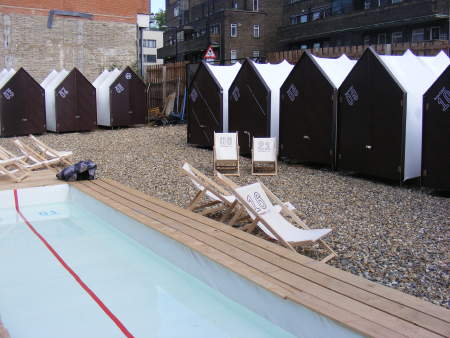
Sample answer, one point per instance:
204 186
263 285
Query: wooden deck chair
264 156
226 153
33 160
13 169
277 221
50 153
218 198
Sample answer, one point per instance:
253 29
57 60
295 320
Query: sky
157 4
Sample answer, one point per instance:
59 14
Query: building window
316 45
176 11
397 37
381 38
367 4
256 31
149 43
435 33
303 46
396 1
214 30
316 16
255 54
233 31
233 55
150 58
255 5
304 18
417 35
234 4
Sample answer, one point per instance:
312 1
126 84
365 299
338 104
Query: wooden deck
36 179
366 307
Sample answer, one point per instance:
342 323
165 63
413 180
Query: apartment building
251 28
54 34
234 28
323 23
152 40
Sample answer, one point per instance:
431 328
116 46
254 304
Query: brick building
55 34
235 28
248 28
324 23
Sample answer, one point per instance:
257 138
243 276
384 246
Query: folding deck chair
264 156
226 153
33 160
12 166
278 221
219 199
50 153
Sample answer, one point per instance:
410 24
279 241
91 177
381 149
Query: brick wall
89 45
104 10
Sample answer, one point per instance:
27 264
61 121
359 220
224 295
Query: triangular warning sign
210 54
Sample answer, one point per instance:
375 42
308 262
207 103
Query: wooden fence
354 52
164 80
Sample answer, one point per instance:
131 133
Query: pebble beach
390 234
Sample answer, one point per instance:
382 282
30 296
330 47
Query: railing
419 48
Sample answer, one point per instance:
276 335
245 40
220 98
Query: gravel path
397 236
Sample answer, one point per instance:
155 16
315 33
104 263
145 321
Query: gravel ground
397 236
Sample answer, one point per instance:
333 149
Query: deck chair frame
18 174
285 211
47 150
264 168
197 204
36 159
226 167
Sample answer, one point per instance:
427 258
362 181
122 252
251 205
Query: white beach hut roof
335 69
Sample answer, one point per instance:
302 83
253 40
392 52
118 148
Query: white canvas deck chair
277 221
12 166
218 198
264 156
226 153
33 160
50 153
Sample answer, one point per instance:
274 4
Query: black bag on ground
83 170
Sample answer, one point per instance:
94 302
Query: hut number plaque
128 76
443 98
119 88
8 94
194 95
63 92
351 96
292 92
236 94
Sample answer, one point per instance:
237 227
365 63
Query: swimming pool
74 267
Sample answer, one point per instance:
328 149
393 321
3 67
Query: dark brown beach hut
22 104
436 136
308 108
207 108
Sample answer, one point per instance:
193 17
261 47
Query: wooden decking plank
36 179
336 313
427 308
308 276
311 288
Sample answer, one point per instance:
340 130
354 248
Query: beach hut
380 114
121 98
22 104
70 102
435 134
308 109
207 109
254 101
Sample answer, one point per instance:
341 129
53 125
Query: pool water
149 295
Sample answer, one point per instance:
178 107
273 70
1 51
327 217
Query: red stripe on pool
69 269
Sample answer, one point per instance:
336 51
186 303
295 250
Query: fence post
164 86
